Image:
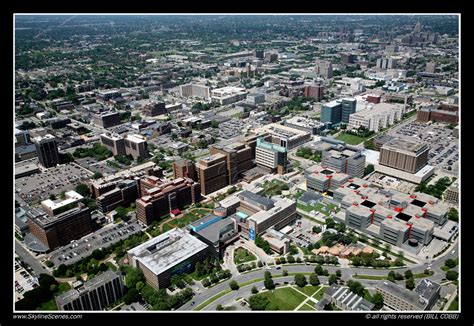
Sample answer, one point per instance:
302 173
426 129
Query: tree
205 282
269 284
319 270
97 175
316 229
314 279
452 275
132 295
293 250
83 190
453 214
219 307
377 300
263 244
391 276
450 263
260 264
410 283
177 280
369 168
356 287
133 276
330 224
338 273
398 262
52 197
332 279
408 274
97 254
254 290
234 285
258 302
300 280
284 272
291 259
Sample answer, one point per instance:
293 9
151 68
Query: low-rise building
171 253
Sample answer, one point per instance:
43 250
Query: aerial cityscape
298 163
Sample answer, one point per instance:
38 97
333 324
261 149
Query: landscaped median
379 277
221 294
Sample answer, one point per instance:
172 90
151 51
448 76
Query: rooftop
97 281
405 145
405 295
261 200
167 250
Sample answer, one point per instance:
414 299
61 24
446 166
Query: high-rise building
430 67
165 197
347 58
331 113
134 145
47 150
171 253
315 90
212 173
154 109
195 90
344 159
124 193
22 137
271 156
324 68
113 142
184 169
386 63
406 155
56 223
106 119
96 294
238 158
377 117
348 107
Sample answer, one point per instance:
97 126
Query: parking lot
24 282
231 128
93 165
444 148
102 238
40 186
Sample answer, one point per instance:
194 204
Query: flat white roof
166 250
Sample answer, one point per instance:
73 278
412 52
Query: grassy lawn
306 307
285 298
305 250
319 294
167 227
423 275
308 290
306 208
319 207
455 304
445 268
251 281
200 211
369 277
63 287
242 255
351 139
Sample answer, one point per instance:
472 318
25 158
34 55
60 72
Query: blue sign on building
252 234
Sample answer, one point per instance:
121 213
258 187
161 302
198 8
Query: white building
379 116
228 95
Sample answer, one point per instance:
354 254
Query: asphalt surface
101 238
29 259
